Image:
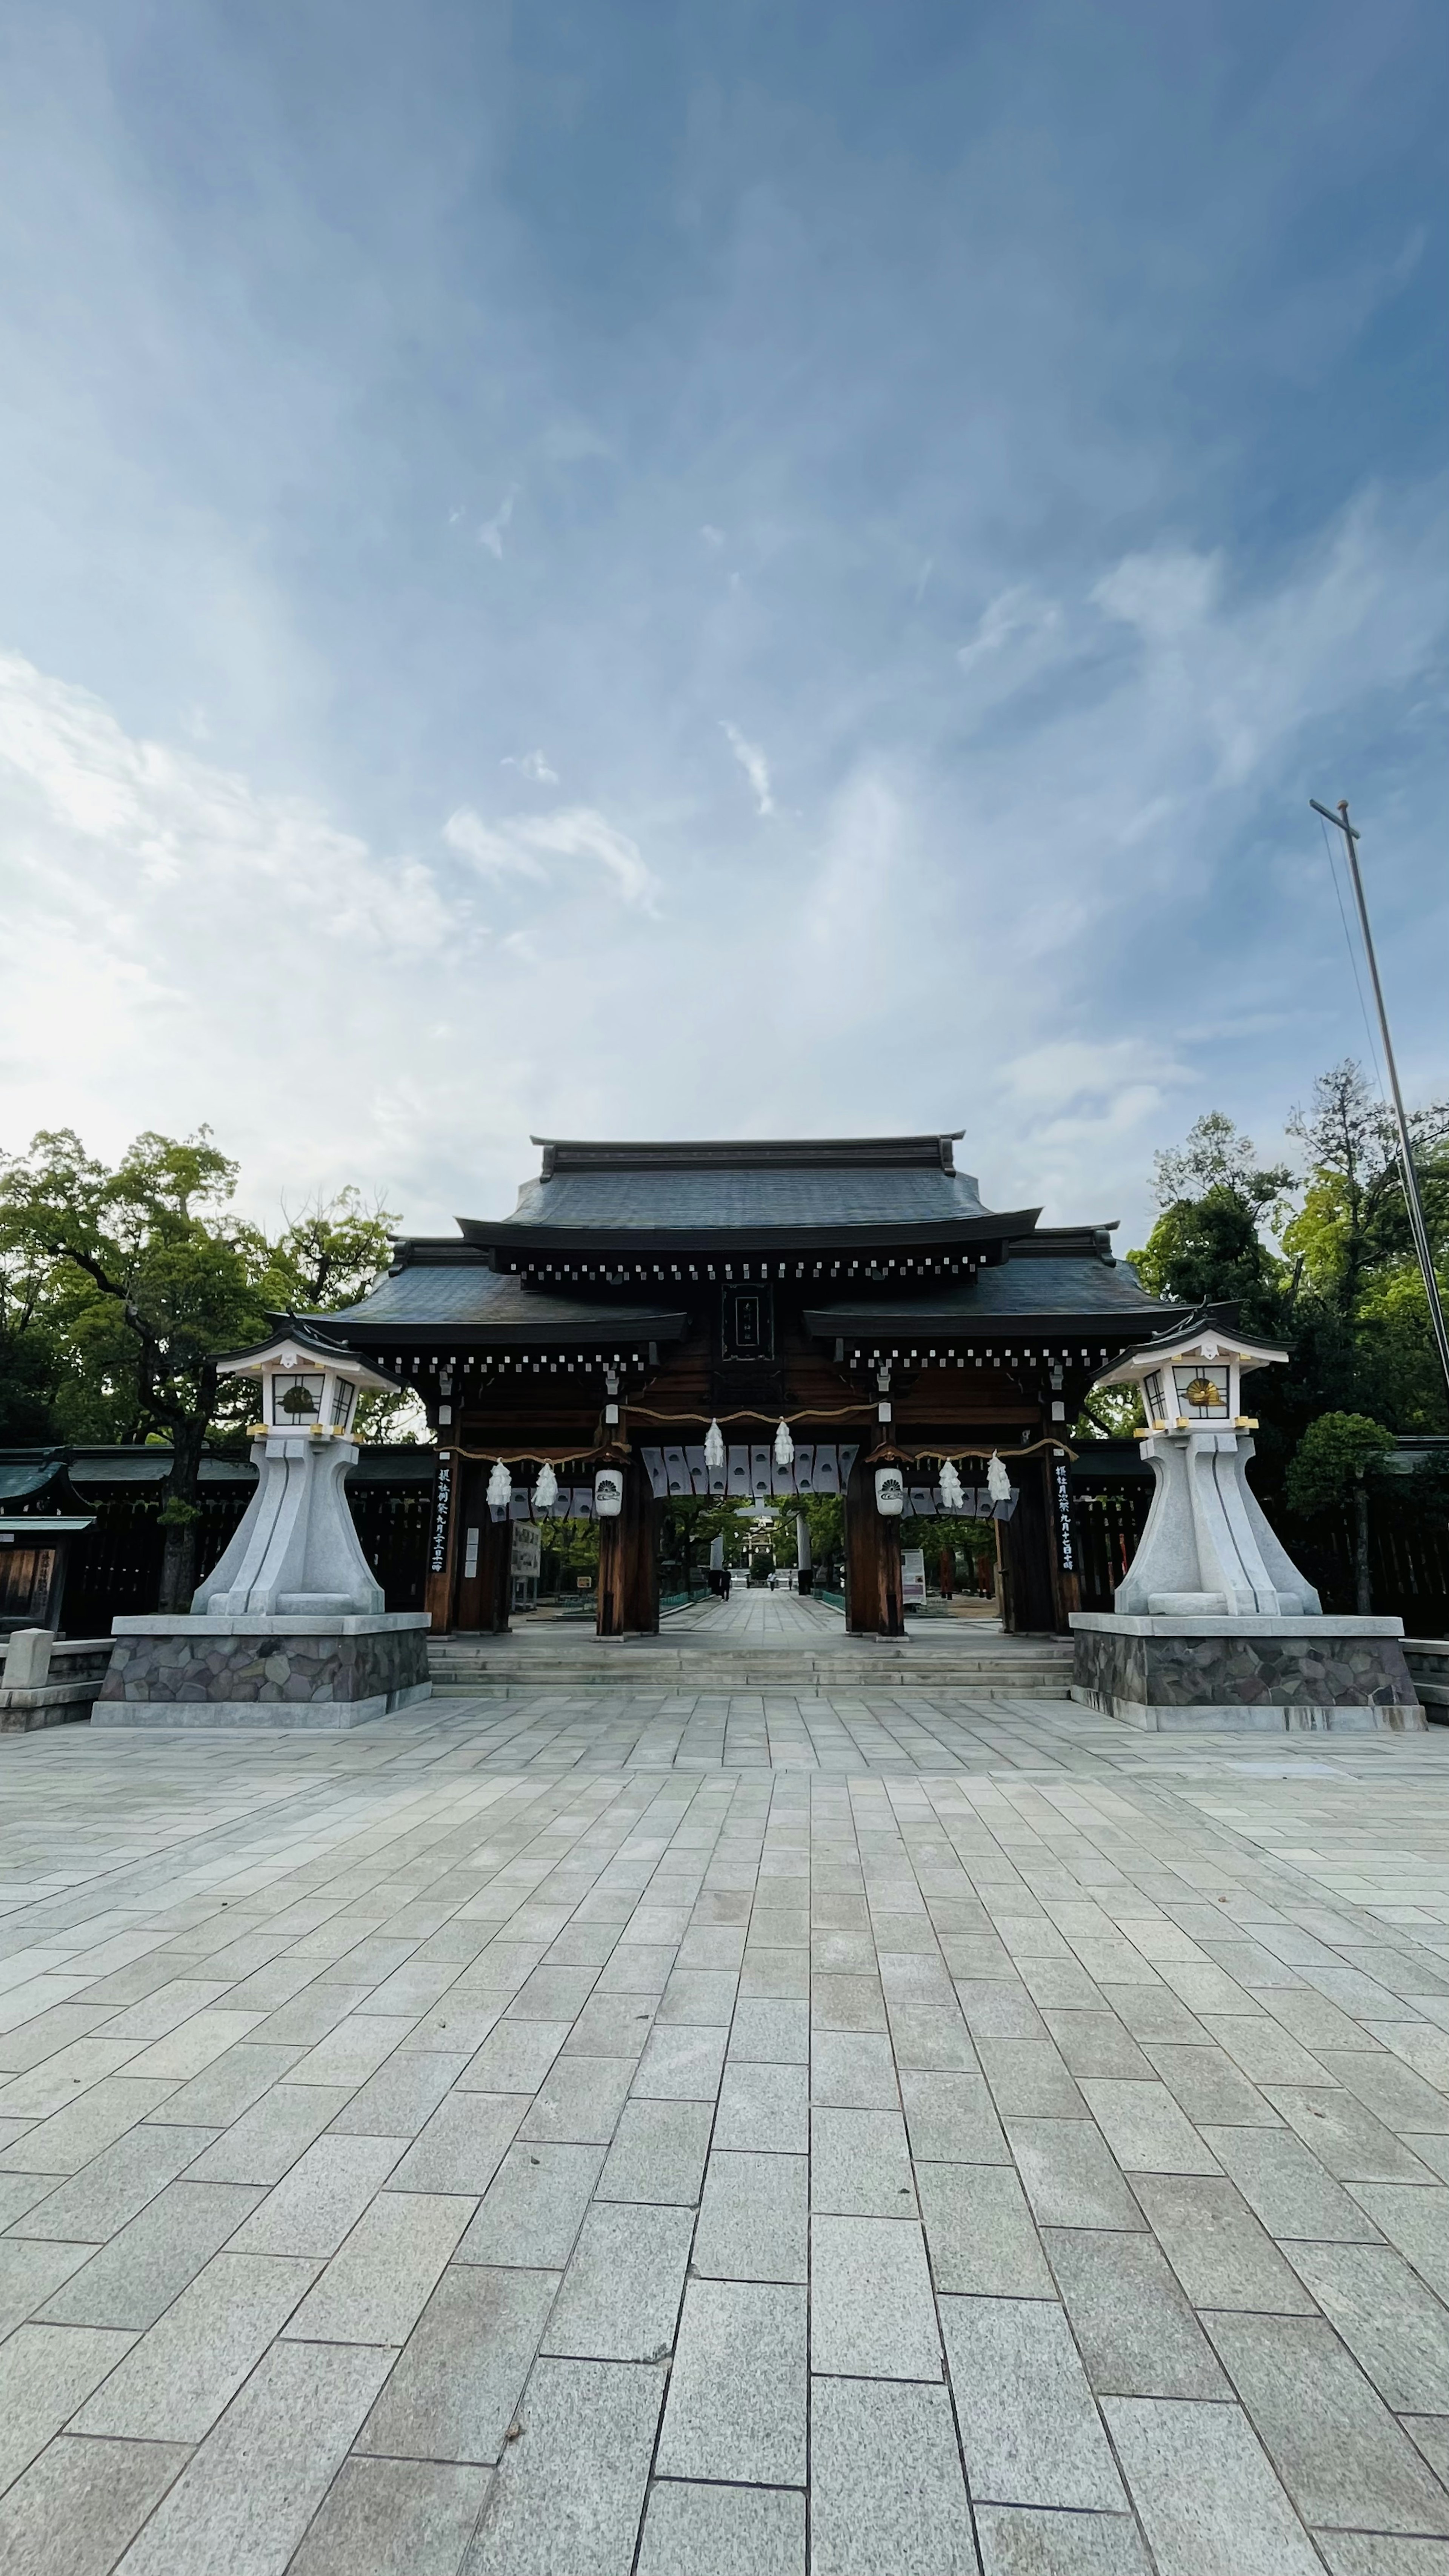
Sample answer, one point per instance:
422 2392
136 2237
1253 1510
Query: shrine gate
856 1289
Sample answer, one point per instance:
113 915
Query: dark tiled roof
441 1297
1037 1290
869 1182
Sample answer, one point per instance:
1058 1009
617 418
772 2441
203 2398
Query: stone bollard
27 1658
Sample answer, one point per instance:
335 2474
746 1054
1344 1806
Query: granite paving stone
872 2314
682 2065
580 2100
1416 2219
1017 2540
118 2183
46 2372
1345 2136
887 2494
175 2380
737 2391
534 2207
77 2506
401 2097
267 2140
696 2530
658 2152
1392 2324
765 2107
979 2232
1209 2502
248 2493
1333 2442
31 2270
1135 2330
1221 2255
138 2274
320 2200
393 2517
1071 2176
620 2294
754 2218
455 2388
569 2492
950 2119
1287 2188
382 2275
461 2146
860 2164
1030 2430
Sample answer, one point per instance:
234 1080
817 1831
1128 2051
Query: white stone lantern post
1213 1625
290 1627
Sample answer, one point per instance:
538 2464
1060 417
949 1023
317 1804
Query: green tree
119 1289
1206 1247
1331 1465
153 1278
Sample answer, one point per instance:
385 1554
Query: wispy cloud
519 845
754 764
491 531
531 764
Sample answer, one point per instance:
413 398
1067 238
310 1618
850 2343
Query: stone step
1038 1670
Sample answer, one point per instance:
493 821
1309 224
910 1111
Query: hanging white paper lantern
953 1498
545 1492
998 1483
784 1445
714 1447
500 1487
608 1494
890 1492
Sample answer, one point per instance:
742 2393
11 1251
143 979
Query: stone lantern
290 1627
1213 1624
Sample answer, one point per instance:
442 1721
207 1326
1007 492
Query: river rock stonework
1265 1674
279 1672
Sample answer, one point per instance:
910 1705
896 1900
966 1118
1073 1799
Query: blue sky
624 569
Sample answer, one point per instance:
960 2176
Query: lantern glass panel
343 1395
1152 1397
297 1400
1202 1390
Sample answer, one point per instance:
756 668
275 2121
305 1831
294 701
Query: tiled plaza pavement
571 2137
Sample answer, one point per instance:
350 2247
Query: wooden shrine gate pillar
874 1606
628 1594
483 1585
1032 1603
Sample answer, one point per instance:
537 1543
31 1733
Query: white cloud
518 845
491 531
531 764
496 851
754 764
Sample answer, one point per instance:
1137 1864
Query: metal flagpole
1417 1226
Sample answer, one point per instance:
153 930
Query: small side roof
293 1346
1204 1336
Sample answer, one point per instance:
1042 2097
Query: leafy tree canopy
1335 1453
119 1285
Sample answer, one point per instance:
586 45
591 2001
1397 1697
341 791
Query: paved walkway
523 2141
